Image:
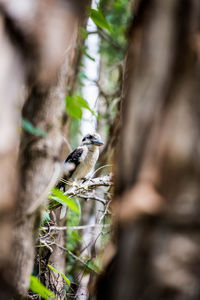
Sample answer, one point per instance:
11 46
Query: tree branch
81 227
86 190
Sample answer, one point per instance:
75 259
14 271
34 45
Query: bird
82 160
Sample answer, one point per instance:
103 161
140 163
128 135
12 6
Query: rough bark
10 99
57 258
38 38
157 187
38 167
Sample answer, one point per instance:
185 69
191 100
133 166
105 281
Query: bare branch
76 257
110 40
99 181
91 196
81 227
105 212
86 190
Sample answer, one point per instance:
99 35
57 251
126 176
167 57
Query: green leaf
45 217
82 75
90 267
75 104
83 32
99 116
99 19
59 272
37 287
59 196
83 103
75 237
73 108
93 266
28 126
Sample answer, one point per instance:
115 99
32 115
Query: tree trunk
57 258
38 38
157 186
10 100
39 166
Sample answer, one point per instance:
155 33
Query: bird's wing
73 159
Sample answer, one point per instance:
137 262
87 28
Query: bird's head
92 140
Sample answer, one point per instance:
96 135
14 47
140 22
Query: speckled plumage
82 160
88 160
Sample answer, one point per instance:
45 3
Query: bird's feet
79 185
75 184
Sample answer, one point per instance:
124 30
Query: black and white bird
82 160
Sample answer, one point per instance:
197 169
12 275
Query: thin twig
105 212
108 165
92 197
81 227
85 190
75 257
92 32
91 243
47 245
92 183
109 39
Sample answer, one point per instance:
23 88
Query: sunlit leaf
73 109
28 126
59 196
83 103
75 104
99 19
37 287
59 272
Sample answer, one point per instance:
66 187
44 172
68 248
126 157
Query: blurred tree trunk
57 258
38 45
157 186
39 156
10 99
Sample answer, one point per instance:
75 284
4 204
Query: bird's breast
87 164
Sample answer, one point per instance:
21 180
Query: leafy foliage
75 105
99 19
118 14
83 256
37 287
63 199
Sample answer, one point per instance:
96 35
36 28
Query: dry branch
87 190
81 227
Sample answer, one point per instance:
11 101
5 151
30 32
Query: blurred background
129 70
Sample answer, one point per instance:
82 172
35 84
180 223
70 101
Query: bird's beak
97 142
